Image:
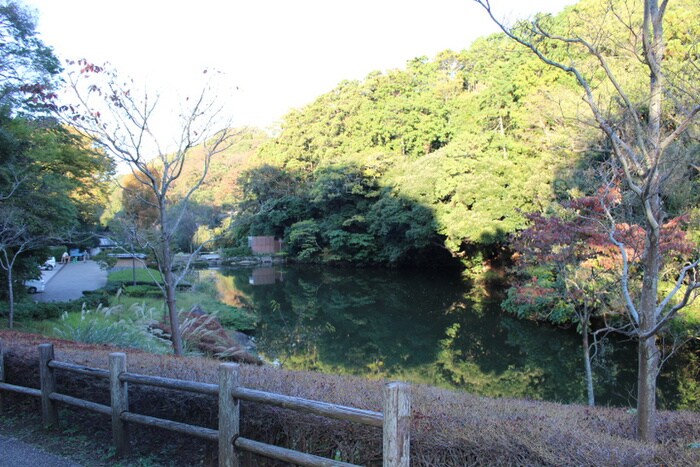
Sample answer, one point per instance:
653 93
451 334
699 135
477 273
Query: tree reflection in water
421 327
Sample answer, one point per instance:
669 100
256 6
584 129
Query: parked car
34 285
49 264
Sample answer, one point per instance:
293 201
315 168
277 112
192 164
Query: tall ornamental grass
112 325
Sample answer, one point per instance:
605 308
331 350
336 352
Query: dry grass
448 428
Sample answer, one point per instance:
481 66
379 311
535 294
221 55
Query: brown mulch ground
448 428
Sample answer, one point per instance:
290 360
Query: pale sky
276 54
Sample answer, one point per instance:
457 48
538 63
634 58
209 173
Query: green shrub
113 326
28 310
142 290
99 297
236 251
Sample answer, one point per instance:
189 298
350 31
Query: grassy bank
129 315
448 428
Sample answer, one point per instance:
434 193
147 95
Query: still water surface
422 327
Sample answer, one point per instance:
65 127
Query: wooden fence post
47 378
229 415
119 400
2 372
397 425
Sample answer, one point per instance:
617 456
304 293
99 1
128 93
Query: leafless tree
124 122
15 240
644 130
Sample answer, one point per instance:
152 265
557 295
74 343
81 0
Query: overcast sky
276 54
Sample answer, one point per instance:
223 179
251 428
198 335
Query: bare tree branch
641 149
128 131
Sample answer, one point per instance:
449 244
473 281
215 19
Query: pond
423 327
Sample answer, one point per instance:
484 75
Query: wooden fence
395 421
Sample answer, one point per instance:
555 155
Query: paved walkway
68 281
65 282
16 453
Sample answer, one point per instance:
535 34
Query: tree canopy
475 139
51 180
27 65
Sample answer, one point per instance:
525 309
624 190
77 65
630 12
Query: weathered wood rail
394 421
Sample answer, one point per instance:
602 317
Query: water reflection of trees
352 321
422 328
490 353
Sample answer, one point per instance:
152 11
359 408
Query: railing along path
395 421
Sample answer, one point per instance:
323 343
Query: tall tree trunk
646 390
587 364
648 353
650 201
172 314
11 297
166 266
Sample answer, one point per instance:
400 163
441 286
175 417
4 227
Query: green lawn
148 276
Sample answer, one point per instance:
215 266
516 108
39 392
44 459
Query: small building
106 243
265 245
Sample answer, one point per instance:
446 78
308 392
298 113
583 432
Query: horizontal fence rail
338 412
394 421
184 428
170 383
287 455
81 403
83 370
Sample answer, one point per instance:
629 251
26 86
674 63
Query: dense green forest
52 181
441 160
